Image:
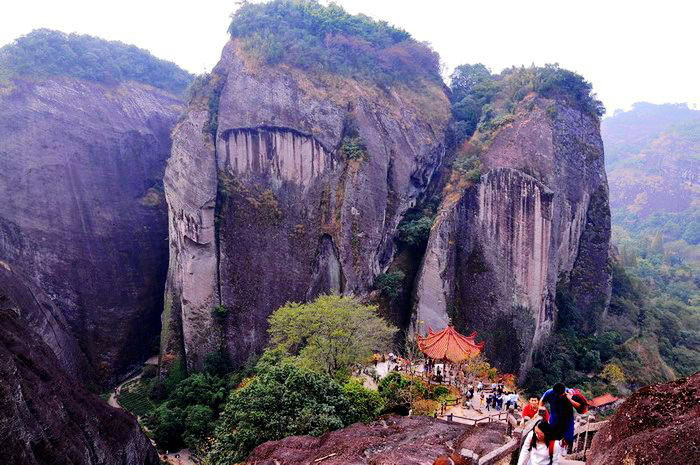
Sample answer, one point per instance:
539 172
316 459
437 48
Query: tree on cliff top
44 52
331 334
308 35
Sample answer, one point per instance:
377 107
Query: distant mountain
653 159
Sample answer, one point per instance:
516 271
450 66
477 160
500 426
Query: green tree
199 424
281 401
415 232
167 423
390 284
331 334
613 373
200 388
364 404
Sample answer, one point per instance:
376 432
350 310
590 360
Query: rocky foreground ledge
390 440
658 425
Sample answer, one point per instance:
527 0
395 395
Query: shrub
424 407
399 392
439 391
364 404
199 424
219 312
416 231
302 402
353 148
390 284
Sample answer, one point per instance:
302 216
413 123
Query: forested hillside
653 159
44 53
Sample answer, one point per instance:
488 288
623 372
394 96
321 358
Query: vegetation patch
134 398
44 52
311 36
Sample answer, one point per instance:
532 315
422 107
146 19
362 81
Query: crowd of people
554 433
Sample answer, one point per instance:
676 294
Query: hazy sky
630 50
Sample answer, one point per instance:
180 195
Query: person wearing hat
539 447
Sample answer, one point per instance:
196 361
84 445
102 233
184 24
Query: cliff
536 223
285 184
46 417
657 425
83 222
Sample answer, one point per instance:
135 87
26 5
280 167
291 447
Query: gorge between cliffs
323 165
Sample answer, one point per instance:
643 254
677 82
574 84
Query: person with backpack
540 447
561 411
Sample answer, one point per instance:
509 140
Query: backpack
581 399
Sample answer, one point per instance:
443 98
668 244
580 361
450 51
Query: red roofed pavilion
449 345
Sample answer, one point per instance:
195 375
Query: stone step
571 462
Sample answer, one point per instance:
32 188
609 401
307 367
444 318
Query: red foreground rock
392 440
658 425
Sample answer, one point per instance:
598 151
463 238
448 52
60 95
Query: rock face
392 440
657 425
46 417
537 221
83 225
291 186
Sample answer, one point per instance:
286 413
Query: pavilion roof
449 345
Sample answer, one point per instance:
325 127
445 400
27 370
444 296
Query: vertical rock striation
83 223
537 222
267 204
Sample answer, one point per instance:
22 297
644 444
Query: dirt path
115 392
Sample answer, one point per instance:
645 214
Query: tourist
499 401
561 411
481 400
533 408
540 447
480 386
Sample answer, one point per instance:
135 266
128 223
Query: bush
353 148
439 391
424 407
44 52
219 312
279 402
415 232
167 423
399 391
199 424
365 405
390 284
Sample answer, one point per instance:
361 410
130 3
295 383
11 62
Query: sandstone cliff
83 225
283 185
537 221
46 417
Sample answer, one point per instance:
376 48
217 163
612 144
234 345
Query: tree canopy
330 334
286 400
308 35
44 52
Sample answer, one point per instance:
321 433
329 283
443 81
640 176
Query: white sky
630 50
